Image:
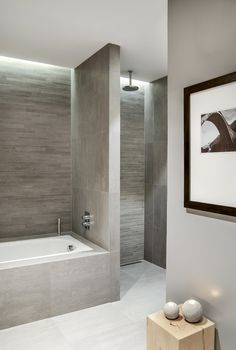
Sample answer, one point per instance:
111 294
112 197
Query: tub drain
71 247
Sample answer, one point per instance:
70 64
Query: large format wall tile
96 153
35 157
24 294
155 171
95 202
35 292
132 175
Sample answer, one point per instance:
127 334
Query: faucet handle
88 217
88 220
87 224
59 226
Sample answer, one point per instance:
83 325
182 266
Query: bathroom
61 183
98 229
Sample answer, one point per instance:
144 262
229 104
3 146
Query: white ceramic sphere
171 310
192 311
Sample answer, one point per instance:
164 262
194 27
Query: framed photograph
210 145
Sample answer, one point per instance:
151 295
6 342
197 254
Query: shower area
143 175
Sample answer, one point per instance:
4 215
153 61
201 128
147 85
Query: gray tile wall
96 152
132 175
35 157
34 292
155 171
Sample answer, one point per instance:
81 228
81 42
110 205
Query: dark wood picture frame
188 203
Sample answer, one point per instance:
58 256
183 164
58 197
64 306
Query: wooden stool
164 334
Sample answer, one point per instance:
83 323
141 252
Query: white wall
201 250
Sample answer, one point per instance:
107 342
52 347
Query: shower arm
130 77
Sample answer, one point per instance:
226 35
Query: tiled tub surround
37 185
33 289
113 326
35 148
96 153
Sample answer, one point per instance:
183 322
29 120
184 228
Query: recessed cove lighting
5 59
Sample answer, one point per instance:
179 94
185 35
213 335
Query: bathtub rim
52 258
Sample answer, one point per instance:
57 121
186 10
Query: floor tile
34 336
117 326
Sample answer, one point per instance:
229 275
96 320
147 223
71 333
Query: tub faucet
88 220
58 226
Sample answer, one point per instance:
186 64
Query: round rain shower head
130 87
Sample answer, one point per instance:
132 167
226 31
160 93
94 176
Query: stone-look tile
79 284
118 325
114 171
129 336
79 204
160 163
34 213
97 320
95 152
131 227
138 298
160 109
149 114
132 176
92 83
35 167
115 275
24 295
114 222
90 161
97 203
155 171
37 335
114 122
148 220
114 158
149 163
80 162
98 162
43 290
159 225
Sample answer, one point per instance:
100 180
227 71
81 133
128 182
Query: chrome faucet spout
59 226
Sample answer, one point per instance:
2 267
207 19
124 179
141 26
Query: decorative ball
171 310
192 311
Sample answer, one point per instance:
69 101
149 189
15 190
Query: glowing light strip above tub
24 61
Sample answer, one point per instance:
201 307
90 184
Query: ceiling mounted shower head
130 87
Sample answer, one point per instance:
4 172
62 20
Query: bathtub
43 277
41 247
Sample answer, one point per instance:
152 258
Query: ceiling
66 32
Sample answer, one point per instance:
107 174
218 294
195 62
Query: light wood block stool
164 334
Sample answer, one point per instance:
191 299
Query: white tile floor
116 326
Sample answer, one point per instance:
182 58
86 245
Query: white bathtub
40 248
